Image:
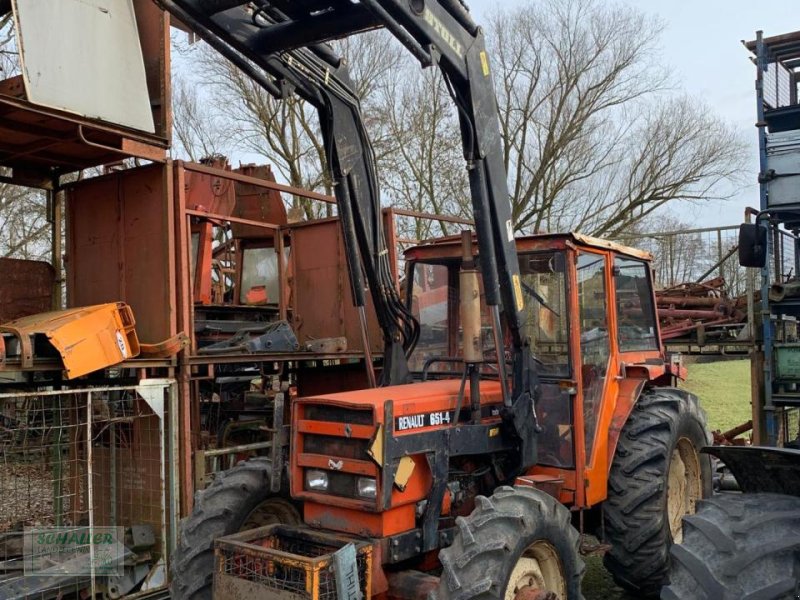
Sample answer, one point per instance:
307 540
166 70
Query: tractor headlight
366 487
316 480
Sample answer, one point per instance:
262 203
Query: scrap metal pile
699 309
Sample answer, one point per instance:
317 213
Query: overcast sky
702 44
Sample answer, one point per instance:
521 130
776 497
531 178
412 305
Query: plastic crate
285 563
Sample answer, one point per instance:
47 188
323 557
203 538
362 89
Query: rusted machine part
676 330
678 313
688 301
712 286
739 430
781 291
410 585
532 593
25 344
165 349
728 438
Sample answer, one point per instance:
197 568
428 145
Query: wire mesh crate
286 563
84 459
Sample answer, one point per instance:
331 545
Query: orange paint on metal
357 522
343 430
88 339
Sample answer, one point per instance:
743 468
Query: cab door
594 325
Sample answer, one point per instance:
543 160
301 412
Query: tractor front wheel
239 499
517 545
656 477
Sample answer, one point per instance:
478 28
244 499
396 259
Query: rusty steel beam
230 219
432 217
688 314
258 182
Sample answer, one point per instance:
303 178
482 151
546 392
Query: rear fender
760 469
629 391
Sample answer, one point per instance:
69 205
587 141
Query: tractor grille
336 414
335 440
329 445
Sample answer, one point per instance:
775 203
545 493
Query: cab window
544 284
636 323
595 344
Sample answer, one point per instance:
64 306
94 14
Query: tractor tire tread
738 546
219 510
635 517
476 566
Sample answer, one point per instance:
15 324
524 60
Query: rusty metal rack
281 562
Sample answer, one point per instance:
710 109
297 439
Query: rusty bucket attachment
85 339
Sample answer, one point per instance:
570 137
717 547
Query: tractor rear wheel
517 545
738 546
239 499
656 478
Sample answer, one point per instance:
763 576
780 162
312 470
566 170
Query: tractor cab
591 322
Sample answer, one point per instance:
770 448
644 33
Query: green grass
723 388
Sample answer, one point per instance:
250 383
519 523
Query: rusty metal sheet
99 71
257 203
35 139
210 191
121 246
26 288
321 298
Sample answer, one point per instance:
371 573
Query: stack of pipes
690 307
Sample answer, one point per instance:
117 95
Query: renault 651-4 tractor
523 395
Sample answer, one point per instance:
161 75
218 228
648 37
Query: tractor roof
450 246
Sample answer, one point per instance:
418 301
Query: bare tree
198 133
593 139
679 151
24 228
422 165
286 132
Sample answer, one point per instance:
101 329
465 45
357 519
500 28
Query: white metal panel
783 157
84 56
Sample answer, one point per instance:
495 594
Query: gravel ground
27 495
